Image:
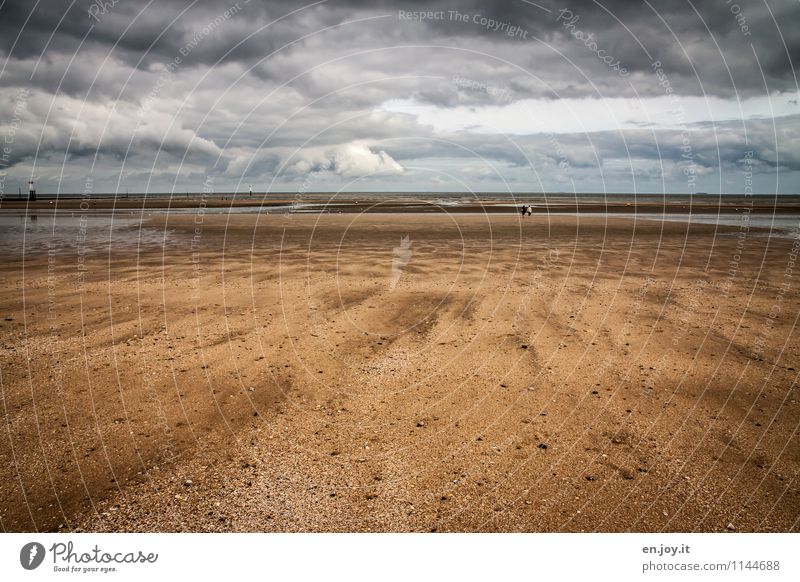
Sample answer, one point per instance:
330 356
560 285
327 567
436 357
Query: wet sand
490 373
483 203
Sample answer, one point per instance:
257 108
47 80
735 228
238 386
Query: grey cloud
240 113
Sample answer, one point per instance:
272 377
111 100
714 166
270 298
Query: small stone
595 392
589 478
9 318
731 527
188 483
524 346
421 423
543 446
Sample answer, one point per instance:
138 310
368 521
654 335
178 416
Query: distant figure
526 210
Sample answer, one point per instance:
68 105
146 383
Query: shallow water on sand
24 232
781 226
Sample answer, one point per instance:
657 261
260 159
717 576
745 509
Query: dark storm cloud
683 34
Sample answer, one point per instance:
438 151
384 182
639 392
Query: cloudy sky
587 96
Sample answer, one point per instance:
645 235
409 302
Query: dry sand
575 374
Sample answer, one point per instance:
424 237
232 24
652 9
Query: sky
351 96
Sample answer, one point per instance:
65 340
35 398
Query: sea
36 230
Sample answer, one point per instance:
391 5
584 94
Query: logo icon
31 555
402 255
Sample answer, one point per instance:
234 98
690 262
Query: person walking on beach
526 209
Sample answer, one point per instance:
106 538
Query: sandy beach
388 372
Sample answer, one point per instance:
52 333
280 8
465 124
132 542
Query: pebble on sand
543 446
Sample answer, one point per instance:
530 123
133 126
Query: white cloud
359 160
582 115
